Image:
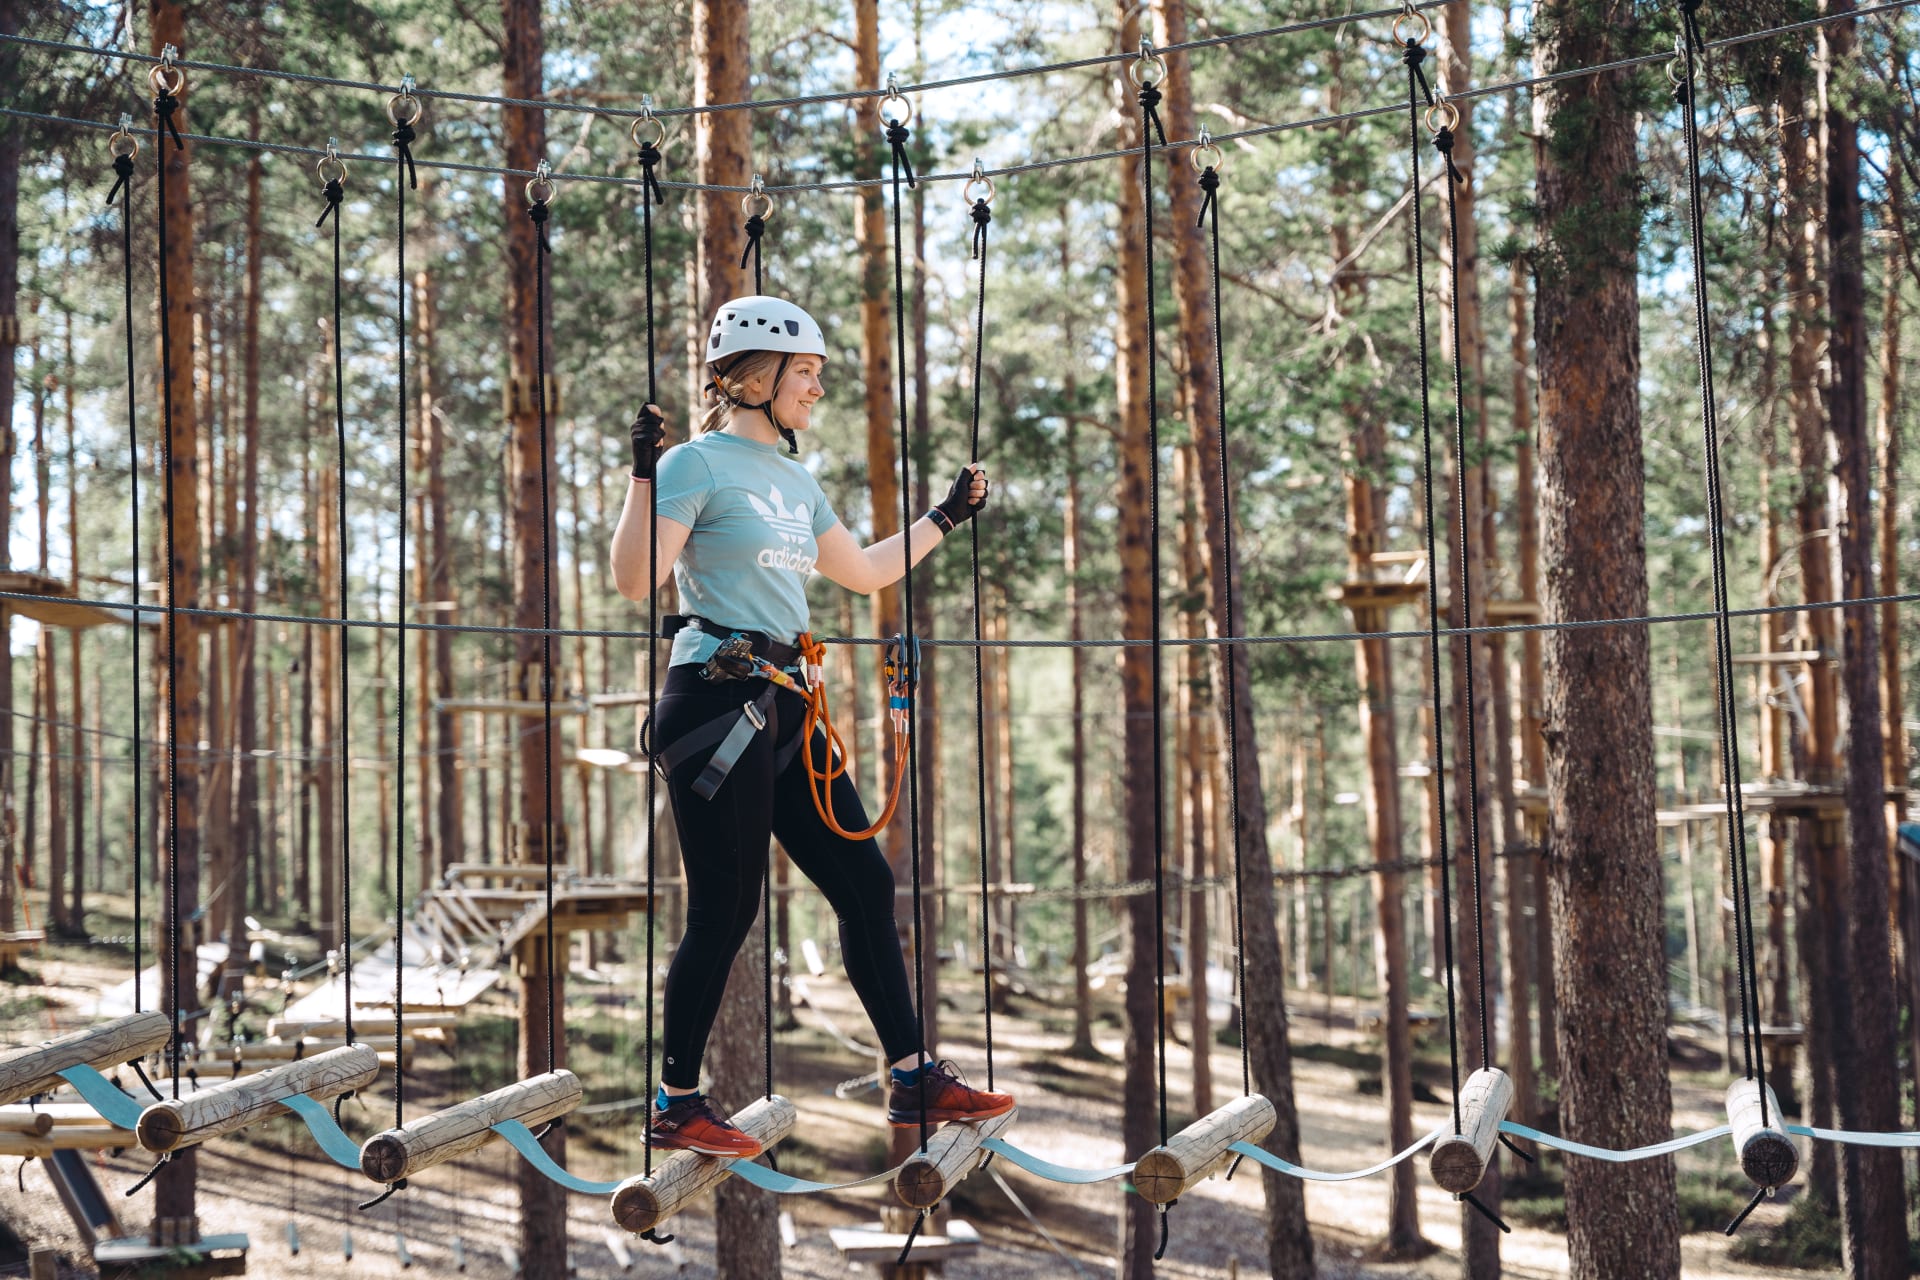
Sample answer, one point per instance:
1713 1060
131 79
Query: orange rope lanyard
820 779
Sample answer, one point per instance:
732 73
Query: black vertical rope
1443 143
1210 217
982 215
1149 99
403 156
756 227
649 188
333 193
123 188
164 105
1737 867
537 214
910 644
1413 55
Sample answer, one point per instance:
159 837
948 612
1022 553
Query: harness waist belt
765 646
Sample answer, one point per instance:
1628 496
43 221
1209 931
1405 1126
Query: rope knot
403 136
1443 143
334 192
1149 100
897 135
982 214
756 226
123 171
537 213
1413 55
1210 185
164 105
649 161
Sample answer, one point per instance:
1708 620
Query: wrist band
641 479
940 520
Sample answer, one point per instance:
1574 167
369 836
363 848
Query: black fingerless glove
958 506
649 433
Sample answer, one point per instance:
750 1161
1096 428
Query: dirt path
1069 1113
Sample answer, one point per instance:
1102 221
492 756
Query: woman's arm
842 559
867 569
630 537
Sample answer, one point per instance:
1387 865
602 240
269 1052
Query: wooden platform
56 606
18 943
877 1246
219 1255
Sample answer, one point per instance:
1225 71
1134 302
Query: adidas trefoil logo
794 526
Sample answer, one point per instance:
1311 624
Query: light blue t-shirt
756 517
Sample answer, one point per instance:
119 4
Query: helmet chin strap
766 407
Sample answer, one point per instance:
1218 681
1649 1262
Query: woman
741 527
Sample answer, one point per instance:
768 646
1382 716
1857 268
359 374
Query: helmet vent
793 328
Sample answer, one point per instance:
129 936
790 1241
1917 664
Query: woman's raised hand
649 432
968 495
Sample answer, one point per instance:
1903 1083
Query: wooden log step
433 1139
56 1113
1459 1160
67 1137
32 1069
336 1029
952 1153
640 1204
1767 1154
235 1104
24 1120
1170 1170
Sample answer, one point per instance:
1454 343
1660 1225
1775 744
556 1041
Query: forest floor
1070 1113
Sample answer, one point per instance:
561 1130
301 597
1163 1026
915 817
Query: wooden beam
1170 1170
640 1204
1459 1160
235 1104
433 1139
1767 1154
33 1069
952 1153
67 1137
23 1120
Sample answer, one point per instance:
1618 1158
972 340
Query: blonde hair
727 384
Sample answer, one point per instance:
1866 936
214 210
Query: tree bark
1607 895
179 650
1132 299
1070 568
11 12
449 825
1289 1244
1873 1203
248 833
543 1205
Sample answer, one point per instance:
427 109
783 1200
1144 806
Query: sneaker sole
938 1115
708 1151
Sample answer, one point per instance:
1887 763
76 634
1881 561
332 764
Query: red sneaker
691 1124
947 1098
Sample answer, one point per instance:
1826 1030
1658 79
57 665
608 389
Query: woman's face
793 399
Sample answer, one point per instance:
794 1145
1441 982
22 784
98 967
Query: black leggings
724 845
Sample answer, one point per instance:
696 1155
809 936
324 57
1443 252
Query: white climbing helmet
761 323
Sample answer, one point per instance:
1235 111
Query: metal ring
320 167
157 78
660 135
399 100
542 182
1426 28
766 205
123 143
966 192
1219 162
905 108
1676 72
1452 116
1154 60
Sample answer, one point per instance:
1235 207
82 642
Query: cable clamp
540 186
1149 62
165 76
123 143
757 191
331 167
403 108
900 105
978 178
646 117
1207 154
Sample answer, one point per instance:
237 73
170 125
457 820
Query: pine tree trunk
180 719
248 833
449 824
1138 1126
1607 894
11 140
1873 1203
1193 807
1070 561
927 710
